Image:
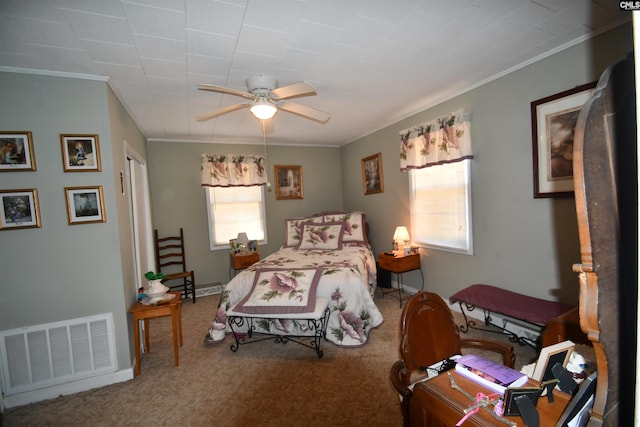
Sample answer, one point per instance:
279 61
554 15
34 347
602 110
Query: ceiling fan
265 98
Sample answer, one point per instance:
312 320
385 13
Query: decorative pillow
326 235
354 225
293 229
282 291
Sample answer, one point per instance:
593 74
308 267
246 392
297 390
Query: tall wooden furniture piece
428 336
143 312
605 180
171 260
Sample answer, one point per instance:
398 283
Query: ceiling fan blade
294 89
304 111
221 111
222 89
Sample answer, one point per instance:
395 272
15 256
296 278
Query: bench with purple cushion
531 310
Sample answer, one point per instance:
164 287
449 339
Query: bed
326 255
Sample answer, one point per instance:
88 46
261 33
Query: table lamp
401 238
243 241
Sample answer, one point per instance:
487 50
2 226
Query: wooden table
143 312
399 264
435 403
242 261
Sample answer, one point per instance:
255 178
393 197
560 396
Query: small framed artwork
553 122
512 395
372 181
80 153
16 152
19 209
549 356
288 182
85 205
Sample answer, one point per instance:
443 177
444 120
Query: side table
242 261
400 264
143 312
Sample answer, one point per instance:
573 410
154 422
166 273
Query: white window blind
440 203
232 210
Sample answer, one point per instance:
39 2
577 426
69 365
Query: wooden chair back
170 252
429 333
171 260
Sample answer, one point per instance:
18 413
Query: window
440 201
232 210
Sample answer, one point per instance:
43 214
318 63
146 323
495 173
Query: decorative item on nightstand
401 240
243 242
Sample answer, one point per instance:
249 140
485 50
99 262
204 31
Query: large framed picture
80 153
19 209
85 205
288 182
16 152
372 180
553 122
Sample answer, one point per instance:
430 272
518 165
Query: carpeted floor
263 384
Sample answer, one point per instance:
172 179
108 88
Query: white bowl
155 294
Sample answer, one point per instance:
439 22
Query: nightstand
400 264
242 261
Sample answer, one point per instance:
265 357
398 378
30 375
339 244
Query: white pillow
325 236
354 229
293 229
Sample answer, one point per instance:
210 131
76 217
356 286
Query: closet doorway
137 184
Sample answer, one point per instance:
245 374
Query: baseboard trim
33 396
209 289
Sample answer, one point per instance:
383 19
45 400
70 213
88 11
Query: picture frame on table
553 122
80 153
288 182
85 205
19 209
372 180
549 356
16 151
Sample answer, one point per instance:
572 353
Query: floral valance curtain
230 170
443 140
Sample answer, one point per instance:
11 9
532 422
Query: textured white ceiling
373 62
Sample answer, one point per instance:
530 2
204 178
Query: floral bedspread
347 282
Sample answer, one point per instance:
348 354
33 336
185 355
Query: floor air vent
44 355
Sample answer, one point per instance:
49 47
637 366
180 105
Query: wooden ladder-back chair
428 336
171 260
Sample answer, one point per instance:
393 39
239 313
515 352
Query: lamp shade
263 109
401 234
243 239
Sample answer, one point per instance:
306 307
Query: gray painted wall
524 244
61 271
179 201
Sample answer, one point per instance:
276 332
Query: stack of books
493 375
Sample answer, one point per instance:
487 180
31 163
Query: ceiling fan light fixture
263 109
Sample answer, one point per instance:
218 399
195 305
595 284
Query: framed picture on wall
288 182
80 153
372 181
553 121
19 209
16 152
85 205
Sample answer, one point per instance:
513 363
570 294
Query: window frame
423 241
211 219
